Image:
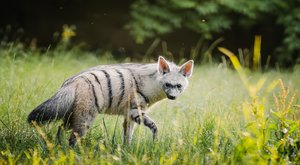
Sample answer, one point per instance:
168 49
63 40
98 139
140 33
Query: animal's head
174 79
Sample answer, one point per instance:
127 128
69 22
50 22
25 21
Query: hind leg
86 107
81 120
59 133
79 127
75 135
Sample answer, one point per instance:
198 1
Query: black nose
171 97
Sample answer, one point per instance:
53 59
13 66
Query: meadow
224 117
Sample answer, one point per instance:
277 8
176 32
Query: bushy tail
54 108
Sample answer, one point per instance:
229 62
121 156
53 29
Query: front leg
128 127
138 117
148 122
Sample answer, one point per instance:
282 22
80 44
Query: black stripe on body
109 87
96 78
122 87
137 87
133 65
93 89
152 74
145 67
69 81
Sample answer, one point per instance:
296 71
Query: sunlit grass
210 123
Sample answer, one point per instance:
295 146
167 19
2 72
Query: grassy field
217 120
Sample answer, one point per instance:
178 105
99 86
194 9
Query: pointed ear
187 68
163 66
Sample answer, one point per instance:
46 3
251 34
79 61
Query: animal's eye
178 86
168 85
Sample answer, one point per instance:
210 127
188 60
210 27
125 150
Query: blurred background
139 28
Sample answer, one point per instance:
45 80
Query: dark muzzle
171 97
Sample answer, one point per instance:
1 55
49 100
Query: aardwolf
119 89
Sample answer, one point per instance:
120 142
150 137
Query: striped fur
120 89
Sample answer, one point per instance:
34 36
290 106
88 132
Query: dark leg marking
59 134
150 124
137 118
72 140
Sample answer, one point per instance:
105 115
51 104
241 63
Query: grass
215 121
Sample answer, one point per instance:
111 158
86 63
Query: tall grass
216 120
